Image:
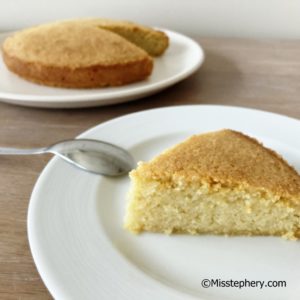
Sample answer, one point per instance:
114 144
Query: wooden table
250 73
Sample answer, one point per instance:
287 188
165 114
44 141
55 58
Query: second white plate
183 57
82 251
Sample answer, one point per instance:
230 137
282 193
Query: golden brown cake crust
75 55
89 77
155 42
227 157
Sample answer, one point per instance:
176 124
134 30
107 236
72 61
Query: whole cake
221 182
83 53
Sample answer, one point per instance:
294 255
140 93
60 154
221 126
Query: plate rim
51 163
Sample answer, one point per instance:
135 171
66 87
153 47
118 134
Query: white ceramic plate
183 57
82 252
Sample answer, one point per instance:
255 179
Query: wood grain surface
250 73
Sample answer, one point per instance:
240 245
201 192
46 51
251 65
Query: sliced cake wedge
222 182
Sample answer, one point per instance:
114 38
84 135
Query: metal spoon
90 155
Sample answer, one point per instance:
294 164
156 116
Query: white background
230 18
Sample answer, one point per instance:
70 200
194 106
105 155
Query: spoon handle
15 151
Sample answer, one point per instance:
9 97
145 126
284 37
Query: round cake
75 55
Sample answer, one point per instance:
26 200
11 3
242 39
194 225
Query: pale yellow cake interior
219 183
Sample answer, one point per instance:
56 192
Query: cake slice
222 182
